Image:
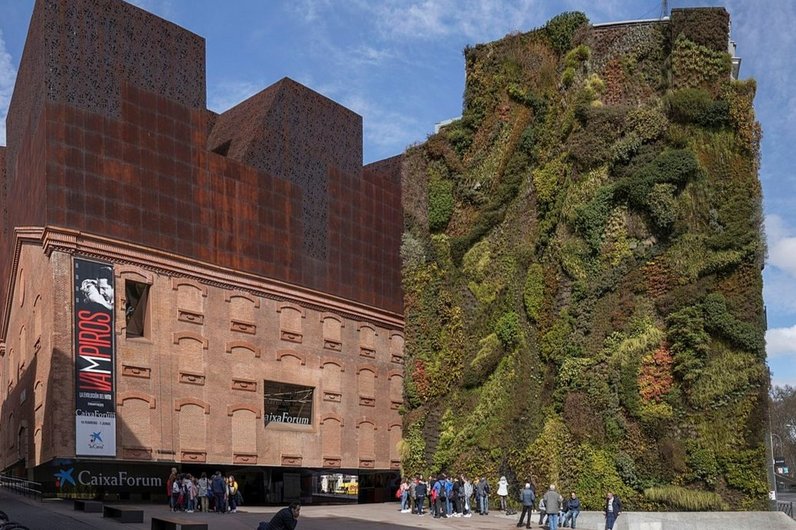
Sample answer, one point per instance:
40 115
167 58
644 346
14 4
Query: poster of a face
99 289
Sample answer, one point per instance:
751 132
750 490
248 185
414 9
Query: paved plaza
60 515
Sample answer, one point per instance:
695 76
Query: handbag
398 493
238 498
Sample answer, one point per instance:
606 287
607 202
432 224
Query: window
135 308
285 403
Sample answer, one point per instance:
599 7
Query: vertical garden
582 269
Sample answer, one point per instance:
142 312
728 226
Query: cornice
22 235
74 242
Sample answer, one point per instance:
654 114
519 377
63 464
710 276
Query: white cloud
384 128
227 94
8 76
477 20
781 245
781 342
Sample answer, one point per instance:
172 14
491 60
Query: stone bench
123 514
88 506
172 523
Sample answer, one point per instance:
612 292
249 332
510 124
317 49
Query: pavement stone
60 515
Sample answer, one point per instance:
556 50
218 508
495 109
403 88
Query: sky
399 64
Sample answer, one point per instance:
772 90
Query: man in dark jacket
420 492
613 507
526 497
284 519
219 488
572 510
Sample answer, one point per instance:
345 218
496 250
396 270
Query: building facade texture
236 256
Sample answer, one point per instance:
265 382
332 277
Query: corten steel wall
108 133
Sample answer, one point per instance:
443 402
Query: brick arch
366 419
368 368
291 353
177 282
395 373
135 394
228 296
246 345
232 409
390 427
367 325
180 335
335 362
134 273
288 305
332 416
180 403
333 316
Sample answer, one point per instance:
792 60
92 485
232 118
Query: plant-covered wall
582 269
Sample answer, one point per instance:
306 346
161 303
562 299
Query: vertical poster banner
95 401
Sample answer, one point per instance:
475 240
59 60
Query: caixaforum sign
95 411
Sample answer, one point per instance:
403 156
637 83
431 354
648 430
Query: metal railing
21 486
786 507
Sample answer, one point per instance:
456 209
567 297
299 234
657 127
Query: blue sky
399 64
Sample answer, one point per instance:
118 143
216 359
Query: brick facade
270 252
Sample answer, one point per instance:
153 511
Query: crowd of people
444 496
188 494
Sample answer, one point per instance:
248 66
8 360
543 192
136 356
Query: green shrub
745 470
590 218
684 499
695 105
533 293
648 122
717 316
508 329
460 137
440 204
696 66
709 27
662 206
689 342
560 29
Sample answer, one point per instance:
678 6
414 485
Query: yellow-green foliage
582 271
726 379
545 456
695 66
689 500
412 447
485 274
533 294
596 474
547 179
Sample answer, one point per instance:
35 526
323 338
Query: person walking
503 492
526 498
552 505
572 507
613 507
